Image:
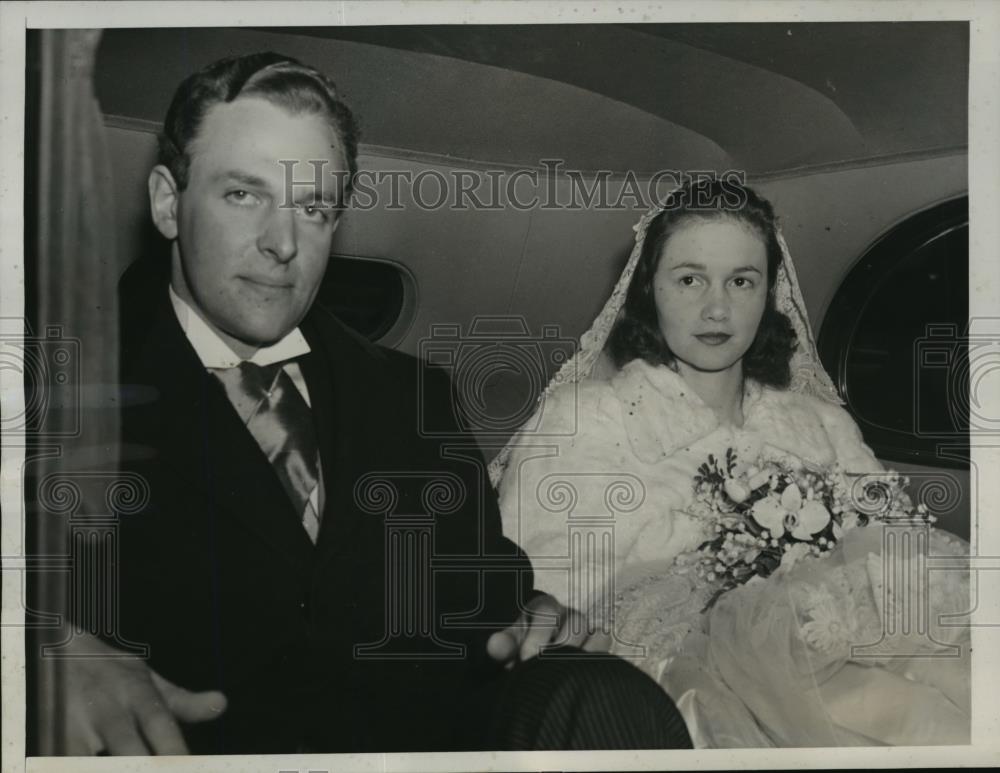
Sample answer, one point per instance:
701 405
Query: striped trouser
574 700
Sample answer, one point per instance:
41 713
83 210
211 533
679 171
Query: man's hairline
188 153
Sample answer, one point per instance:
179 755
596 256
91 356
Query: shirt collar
216 353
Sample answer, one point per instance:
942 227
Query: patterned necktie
280 420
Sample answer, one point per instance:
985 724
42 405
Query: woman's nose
716 306
279 239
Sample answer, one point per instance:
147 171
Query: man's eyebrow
308 198
246 178
743 269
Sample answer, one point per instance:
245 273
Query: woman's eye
688 281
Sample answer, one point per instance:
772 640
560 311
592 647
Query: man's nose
279 239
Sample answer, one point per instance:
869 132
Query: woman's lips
713 339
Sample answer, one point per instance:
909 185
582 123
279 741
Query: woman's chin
707 364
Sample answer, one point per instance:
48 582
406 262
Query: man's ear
163 200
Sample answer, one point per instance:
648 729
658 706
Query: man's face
250 249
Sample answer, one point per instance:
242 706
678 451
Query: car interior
502 168
857 132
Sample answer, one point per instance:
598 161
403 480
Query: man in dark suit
311 572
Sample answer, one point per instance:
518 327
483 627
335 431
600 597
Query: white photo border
984 191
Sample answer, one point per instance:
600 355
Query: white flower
792 554
736 490
758 478
790 512
825 632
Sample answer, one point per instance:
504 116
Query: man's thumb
190 706
503 645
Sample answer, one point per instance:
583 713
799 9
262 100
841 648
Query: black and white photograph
503 385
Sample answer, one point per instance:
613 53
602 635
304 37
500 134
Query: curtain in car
73 348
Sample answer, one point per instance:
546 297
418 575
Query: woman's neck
721 390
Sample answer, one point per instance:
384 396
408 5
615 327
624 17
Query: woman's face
710 289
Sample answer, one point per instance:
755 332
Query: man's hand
119 705
547 622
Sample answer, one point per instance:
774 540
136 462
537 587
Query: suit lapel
201 436
344 390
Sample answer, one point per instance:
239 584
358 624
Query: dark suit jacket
218 576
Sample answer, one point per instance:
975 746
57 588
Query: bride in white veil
704 348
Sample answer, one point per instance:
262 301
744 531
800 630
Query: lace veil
591 362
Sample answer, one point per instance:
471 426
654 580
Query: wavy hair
637 335
279 79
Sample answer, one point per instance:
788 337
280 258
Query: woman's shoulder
589 398
660 412
632 385
833 417
648 406
815 423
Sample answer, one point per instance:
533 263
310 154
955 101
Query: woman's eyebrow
688 265
701 267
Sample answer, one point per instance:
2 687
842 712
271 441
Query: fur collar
661 413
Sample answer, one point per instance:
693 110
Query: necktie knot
258 380
279 419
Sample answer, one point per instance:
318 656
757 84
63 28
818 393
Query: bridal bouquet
768 514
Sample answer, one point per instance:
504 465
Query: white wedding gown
596 492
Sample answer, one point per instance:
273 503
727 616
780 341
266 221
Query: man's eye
743 282
315 212
240 196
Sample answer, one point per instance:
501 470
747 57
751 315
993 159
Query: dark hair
279 79
637 332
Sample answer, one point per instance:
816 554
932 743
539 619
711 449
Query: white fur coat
601 476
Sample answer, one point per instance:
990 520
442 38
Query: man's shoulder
345 346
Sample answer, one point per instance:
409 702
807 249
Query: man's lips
713 339
270 284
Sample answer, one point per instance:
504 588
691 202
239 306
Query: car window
367 295
895 337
